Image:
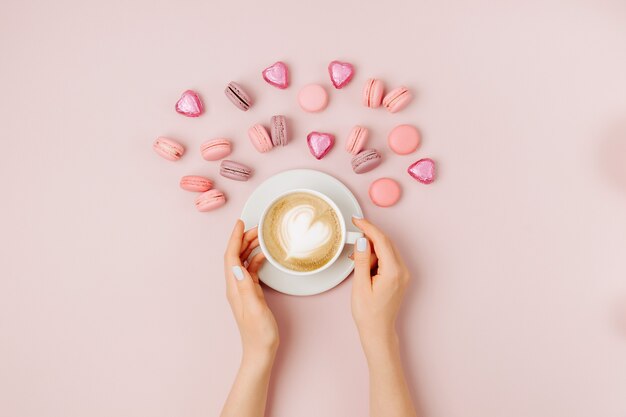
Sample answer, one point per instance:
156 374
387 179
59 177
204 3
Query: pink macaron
215 149
366 160
210 200
404 139
195 183
313 98
357 139
235 170
260 138
373 93
168 148
238 96
397 99
280 136
385 192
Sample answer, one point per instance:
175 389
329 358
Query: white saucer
318 181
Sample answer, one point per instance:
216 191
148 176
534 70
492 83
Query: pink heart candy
189 104
277 75
340 73
423 170
320 143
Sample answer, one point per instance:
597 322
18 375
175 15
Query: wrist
379 344
258 358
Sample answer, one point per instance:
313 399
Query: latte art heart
302 232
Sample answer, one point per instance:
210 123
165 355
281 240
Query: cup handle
351 237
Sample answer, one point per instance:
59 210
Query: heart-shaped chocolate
320 143
340 73
423 170
189 104
277 75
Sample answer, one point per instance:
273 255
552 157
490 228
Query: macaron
365 161
210 200
397 99
215 149
235 171
260 138
404 139
313 98
385 192
373 93
357 139
238 96
279 130
195 183
168 148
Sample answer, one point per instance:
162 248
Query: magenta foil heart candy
340 73
423 170
320 143
277 75
189 104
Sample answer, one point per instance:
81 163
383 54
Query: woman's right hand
378 286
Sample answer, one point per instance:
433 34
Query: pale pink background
111 289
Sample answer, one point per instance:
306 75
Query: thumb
362 275
245 284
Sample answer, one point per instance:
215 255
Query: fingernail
357 217
238 273
361 244
351 256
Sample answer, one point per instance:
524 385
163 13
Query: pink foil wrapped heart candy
340 73
277 75
189 104
423 170
320 143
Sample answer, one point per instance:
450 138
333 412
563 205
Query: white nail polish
361 244
357 217
238 273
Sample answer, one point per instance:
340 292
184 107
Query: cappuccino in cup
302 232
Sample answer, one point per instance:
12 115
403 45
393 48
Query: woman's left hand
257 325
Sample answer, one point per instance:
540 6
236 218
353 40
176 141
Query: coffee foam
301 232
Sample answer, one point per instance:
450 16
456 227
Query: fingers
246 287
249 237
255 263
373 259
382 245
233 249
246 253
362 276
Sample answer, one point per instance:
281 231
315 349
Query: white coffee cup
347 237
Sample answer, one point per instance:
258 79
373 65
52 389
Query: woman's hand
257 326
376 299
380 279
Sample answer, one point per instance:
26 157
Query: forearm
389 393
248 396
